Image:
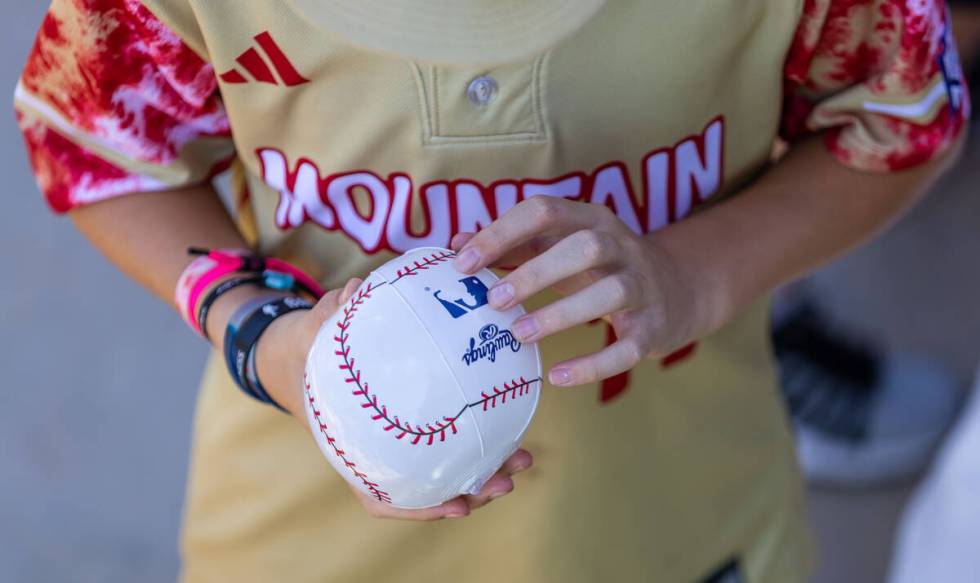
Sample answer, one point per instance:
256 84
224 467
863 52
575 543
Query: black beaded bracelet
243 333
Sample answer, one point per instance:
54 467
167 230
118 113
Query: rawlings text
492 339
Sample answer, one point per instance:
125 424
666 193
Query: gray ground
91 490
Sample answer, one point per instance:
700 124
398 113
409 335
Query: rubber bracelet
231 332
271 280
241 341
201 274
213 265
218 291
252 378
248 336
303 281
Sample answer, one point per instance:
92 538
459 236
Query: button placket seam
423 95
437 129
537 97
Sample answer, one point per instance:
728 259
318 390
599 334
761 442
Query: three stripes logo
253 62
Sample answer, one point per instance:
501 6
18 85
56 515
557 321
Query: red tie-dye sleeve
113 102
881 79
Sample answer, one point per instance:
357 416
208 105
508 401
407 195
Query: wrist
217 272
280 361
249 324
700 283
226 305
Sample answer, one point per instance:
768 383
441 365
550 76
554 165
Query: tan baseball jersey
339 151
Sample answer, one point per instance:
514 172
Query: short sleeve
881 79
113 102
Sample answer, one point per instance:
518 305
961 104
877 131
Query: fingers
523 253
497 486
501 484
455 508
610 294
612 360
349 289
516 256
460 240
517 463
579 252
536 216
326 306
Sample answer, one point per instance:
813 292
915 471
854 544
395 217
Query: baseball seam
379 412
376 492
424 264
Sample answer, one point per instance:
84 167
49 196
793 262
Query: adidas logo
253 62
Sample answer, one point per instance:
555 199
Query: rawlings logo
492 339
460 307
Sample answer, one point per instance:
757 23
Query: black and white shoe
862 417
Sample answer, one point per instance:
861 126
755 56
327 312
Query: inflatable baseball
416 390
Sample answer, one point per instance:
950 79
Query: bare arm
147 235
807 210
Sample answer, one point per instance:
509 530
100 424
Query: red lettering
674 181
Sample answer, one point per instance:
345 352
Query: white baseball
416 390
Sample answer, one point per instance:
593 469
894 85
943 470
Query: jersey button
482 90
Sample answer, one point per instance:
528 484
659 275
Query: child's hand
281 362
499 485
605 270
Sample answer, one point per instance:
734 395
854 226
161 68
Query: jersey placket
500 104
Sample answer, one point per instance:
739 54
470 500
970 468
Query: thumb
325 306
333 299
331 302
349 289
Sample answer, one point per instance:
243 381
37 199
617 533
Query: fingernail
501 295
560 376
526 328
455 515
520 468
468 259
496 495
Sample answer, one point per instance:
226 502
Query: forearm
806 210
147 235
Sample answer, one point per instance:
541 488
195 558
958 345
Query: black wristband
240 341
217 292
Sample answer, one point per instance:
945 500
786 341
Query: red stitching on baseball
515 388
373 487
427 262
428 431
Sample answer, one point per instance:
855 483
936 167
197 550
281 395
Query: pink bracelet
201 273
214 265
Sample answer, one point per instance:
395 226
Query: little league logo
492 340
